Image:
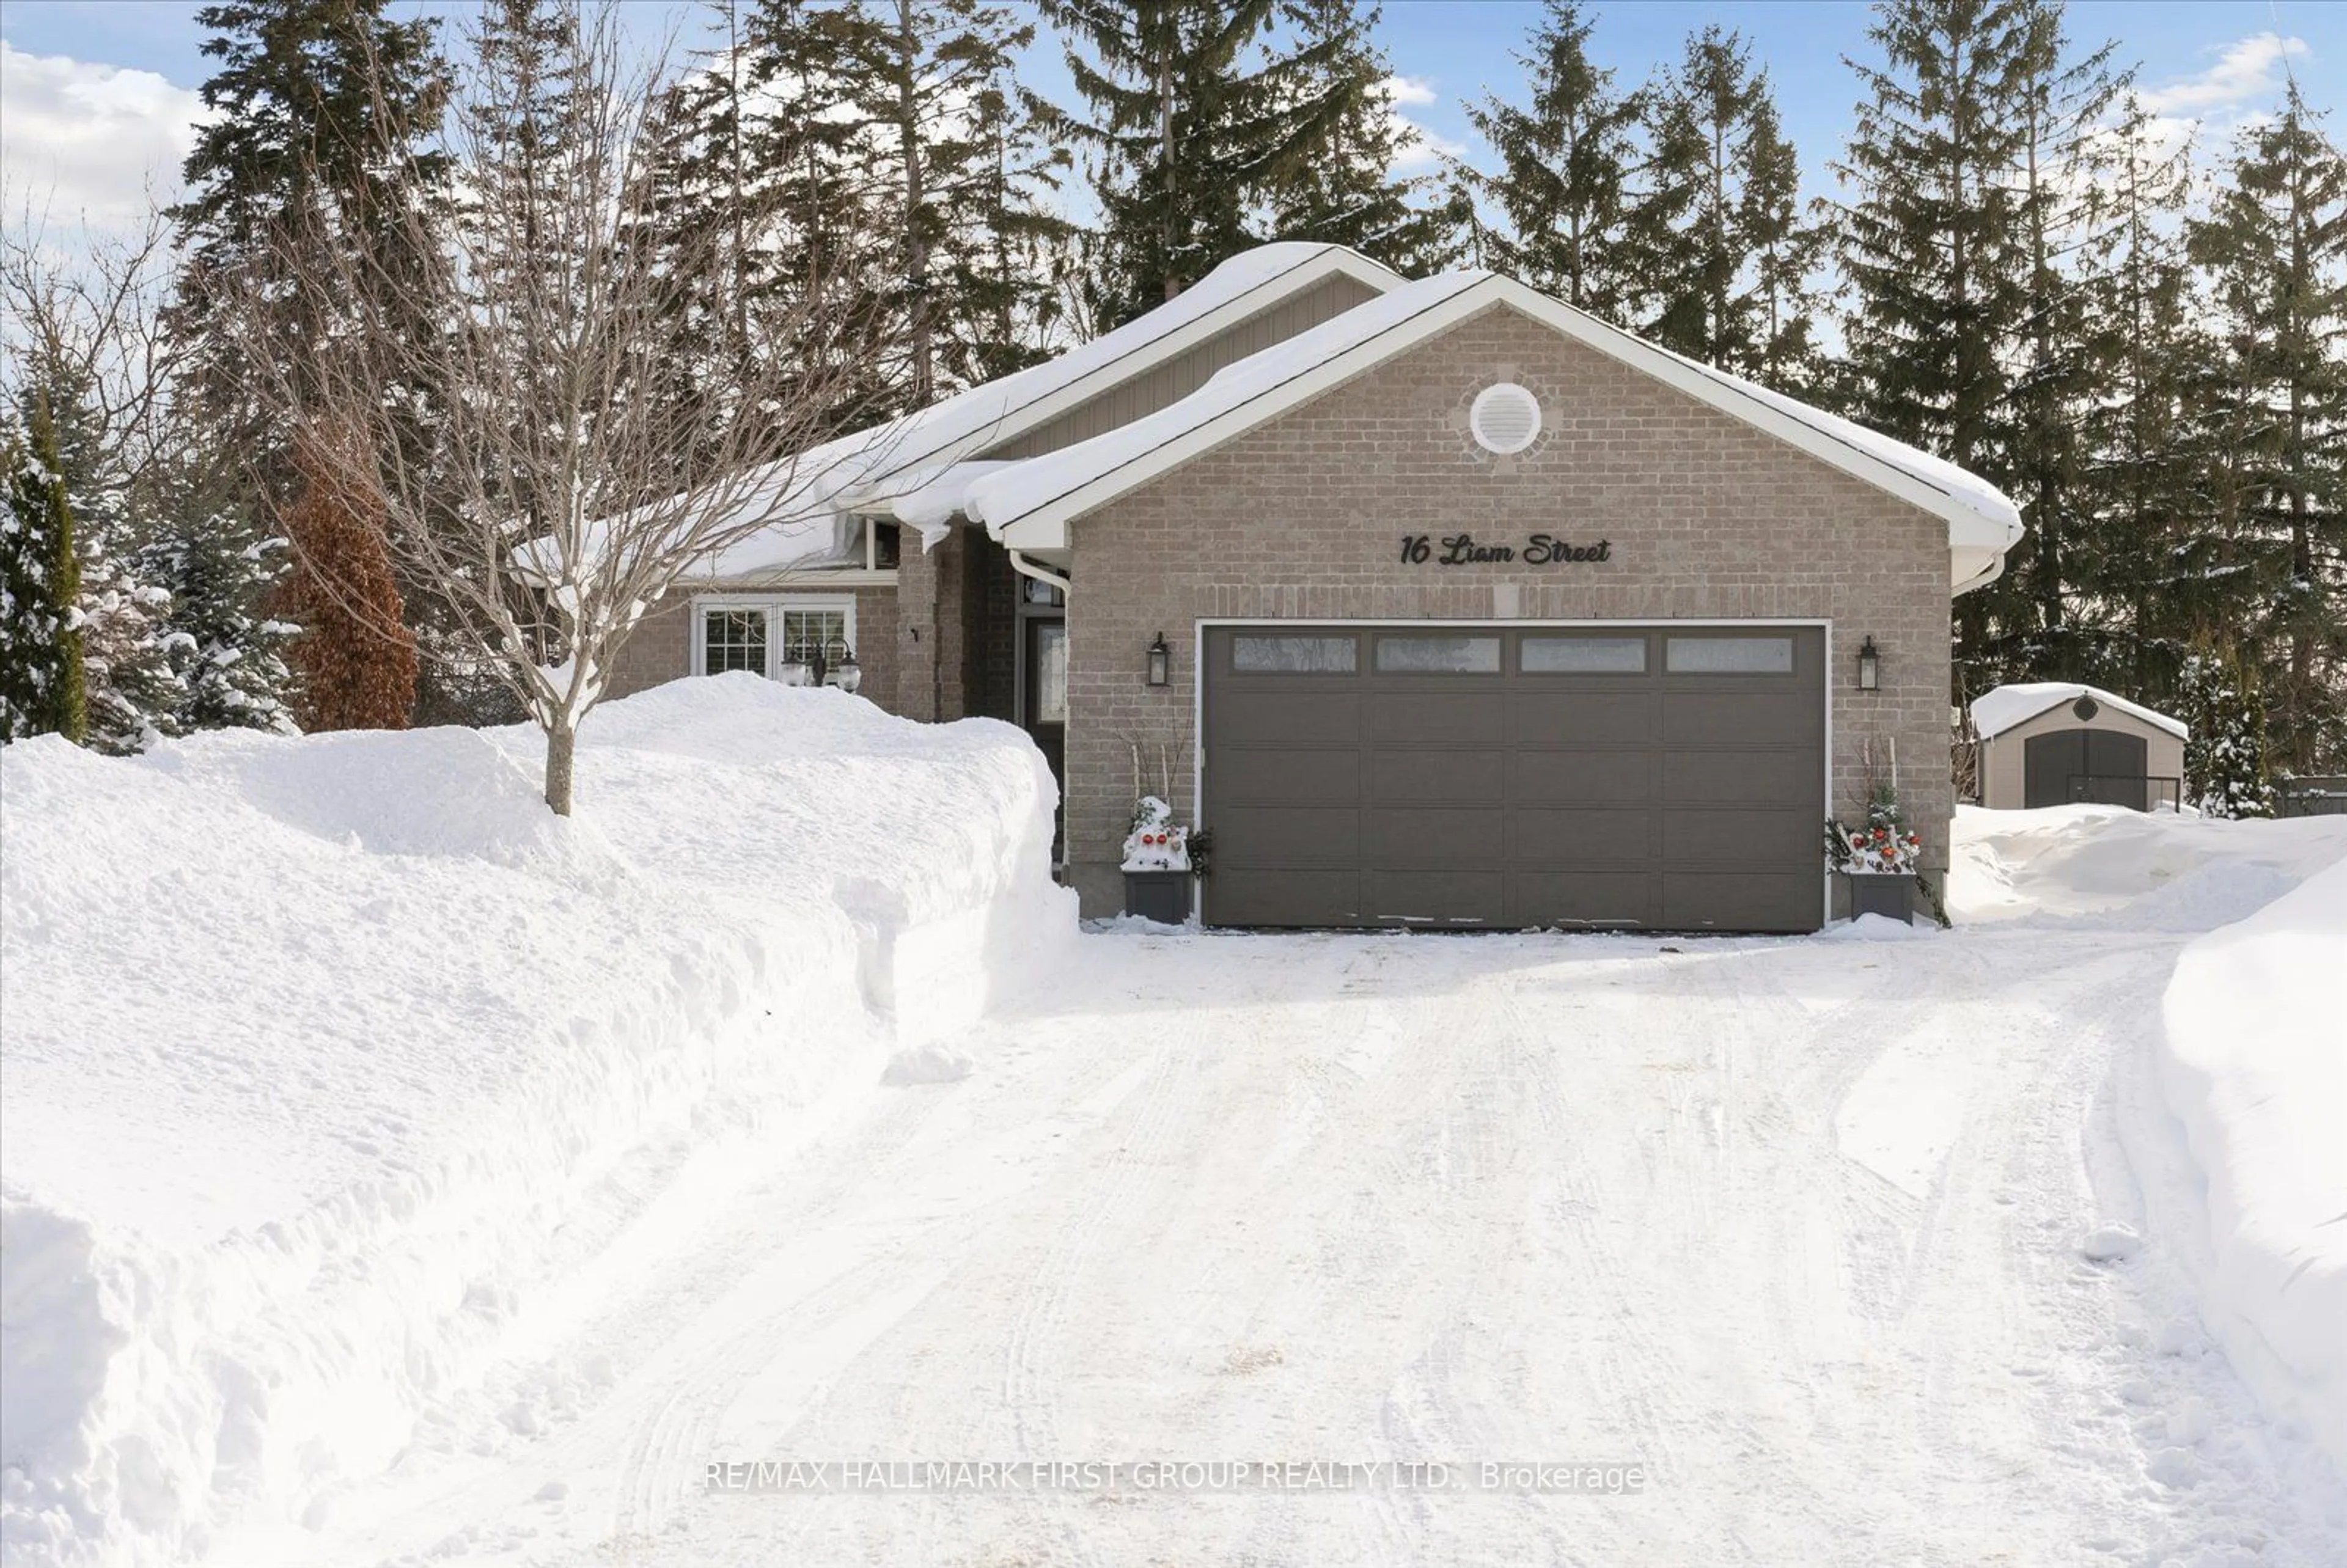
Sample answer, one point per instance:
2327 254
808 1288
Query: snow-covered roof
914 461
2000 709
1030 504
925 468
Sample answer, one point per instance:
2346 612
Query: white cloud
2248 69
1409 90
85 141
1422 149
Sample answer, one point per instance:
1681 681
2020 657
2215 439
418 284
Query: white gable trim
1044 527
881 493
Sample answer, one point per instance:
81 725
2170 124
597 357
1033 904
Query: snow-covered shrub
41 686
2225 755
220 569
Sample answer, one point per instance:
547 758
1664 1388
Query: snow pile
2251 1063
379 1054
2152 870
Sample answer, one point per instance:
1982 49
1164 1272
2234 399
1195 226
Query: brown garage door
1646 777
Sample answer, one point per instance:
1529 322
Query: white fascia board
1309 271
1045 528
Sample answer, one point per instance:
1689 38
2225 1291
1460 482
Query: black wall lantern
1161 663
1869 666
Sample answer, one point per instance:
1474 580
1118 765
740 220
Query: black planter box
1160 896
1890 893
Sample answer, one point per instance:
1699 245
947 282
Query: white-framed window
760 632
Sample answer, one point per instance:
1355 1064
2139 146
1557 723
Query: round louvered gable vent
2086 708
1504 419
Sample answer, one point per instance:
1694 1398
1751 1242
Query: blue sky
97 94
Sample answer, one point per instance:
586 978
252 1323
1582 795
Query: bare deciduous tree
84 312
559 495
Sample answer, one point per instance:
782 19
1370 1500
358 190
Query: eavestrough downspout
1025 567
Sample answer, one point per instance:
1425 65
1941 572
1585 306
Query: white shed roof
2001 708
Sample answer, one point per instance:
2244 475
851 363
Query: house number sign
1461 550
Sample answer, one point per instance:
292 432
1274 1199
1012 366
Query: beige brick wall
661 648
1709 517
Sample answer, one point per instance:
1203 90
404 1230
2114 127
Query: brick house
1475 611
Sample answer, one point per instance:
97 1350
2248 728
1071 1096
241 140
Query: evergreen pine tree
2062 363
1714 239
1933 254
1348 194
307 100
2225 746
768 150
2139 538
2274 245
1563 157
958 161
1194 119
131 693
41 676
221 570
135 694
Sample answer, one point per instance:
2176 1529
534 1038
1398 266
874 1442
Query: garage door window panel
1583 655
1438 655
1294 655
1728 656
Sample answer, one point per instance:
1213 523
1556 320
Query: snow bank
2156 870
324 1057
2252 1065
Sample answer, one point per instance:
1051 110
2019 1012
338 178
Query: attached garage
1601 775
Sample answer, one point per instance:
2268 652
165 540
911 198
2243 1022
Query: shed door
2101 767
1463 776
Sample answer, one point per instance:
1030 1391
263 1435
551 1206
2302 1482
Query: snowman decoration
1155 843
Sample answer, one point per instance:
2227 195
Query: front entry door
1044 706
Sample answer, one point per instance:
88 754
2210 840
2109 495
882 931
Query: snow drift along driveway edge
2251 1063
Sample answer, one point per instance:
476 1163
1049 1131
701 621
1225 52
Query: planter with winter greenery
1157 868
1877 858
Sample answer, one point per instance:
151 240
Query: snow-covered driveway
1793 1226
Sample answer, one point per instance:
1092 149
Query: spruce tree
41 689
1931 248
1562 160
2225 744
221 570
131 693
2062 364
767 150
1715 241
320 113
2274 245
1348 194
1194 119
2139 534
958 161
134 692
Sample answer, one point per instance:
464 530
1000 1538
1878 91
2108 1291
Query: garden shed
2055 743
